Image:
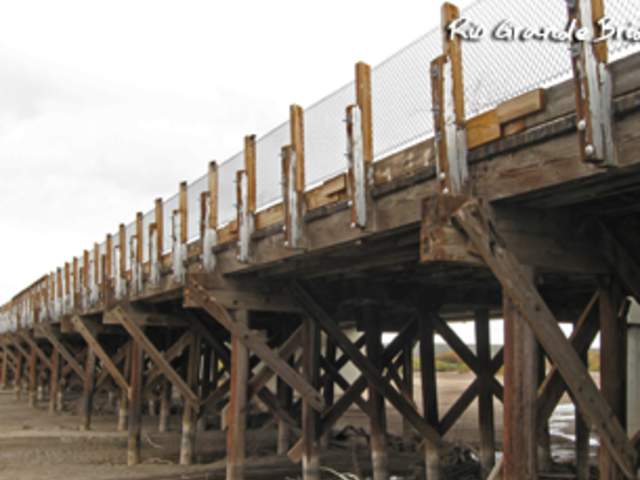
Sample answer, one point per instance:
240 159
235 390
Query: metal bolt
284 228
350 203
443 175
590 150
445 191
353 225
286 243
582 125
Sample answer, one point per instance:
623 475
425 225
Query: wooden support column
18 377
378 418
210 233
246 199
237 412
328 387
190 411
485 395
88 389
165 406
123 407
582 437
520 395
205 385
545 461
54 385
429 395
613 359
135 404
4 374
310 366
407 388
33 364
285 399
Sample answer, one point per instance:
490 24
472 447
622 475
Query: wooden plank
452 48
474 220
255 343
381 385
134 441
521 106
483 129
363 100
35 348
149 348
170 354
105 358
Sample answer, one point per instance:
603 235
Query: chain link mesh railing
494 71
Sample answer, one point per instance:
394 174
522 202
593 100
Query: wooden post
593 87
18 377
310 365
520 395
246 199
613 349
447 91
54 385
429 394
285 398
33 360
485 396
4 374
407 388
582 438
159 221
294 179
378 418
135 404
123 408
184 213
210 235
545 461
165 406
205 385
88 389
189 414
328 389
237 412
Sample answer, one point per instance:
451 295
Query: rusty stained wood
212 180
474 220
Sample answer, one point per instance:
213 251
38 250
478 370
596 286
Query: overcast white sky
105 106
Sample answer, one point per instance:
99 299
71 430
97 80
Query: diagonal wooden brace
371 374
475 220
620 261
170 354
254 343
62 349
93 344
119 356
156 356
34 346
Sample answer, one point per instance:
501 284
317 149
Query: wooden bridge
527 212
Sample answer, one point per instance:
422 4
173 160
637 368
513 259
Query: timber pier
528 211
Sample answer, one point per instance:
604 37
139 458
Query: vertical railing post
95 289
180 235
246 199
86 269
447 92
360 148
593 87
294 180
120 263
67 288
58 302
209 235
156 243
108 270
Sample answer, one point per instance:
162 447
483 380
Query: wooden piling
135 404
582 440
165 406
520 395
613 358
429 394
485 395
378 419
310 364
88 389
237 411
33 360
54 378
123 408
189 414
407 389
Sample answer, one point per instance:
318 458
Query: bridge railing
402 116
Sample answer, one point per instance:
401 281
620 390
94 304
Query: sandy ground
35 445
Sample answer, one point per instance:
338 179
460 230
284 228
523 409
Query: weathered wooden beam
93 343
158 358
210 234
28 338
88 390
256 344
54 382
190 411
429 394
170 354
621 261
474 219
